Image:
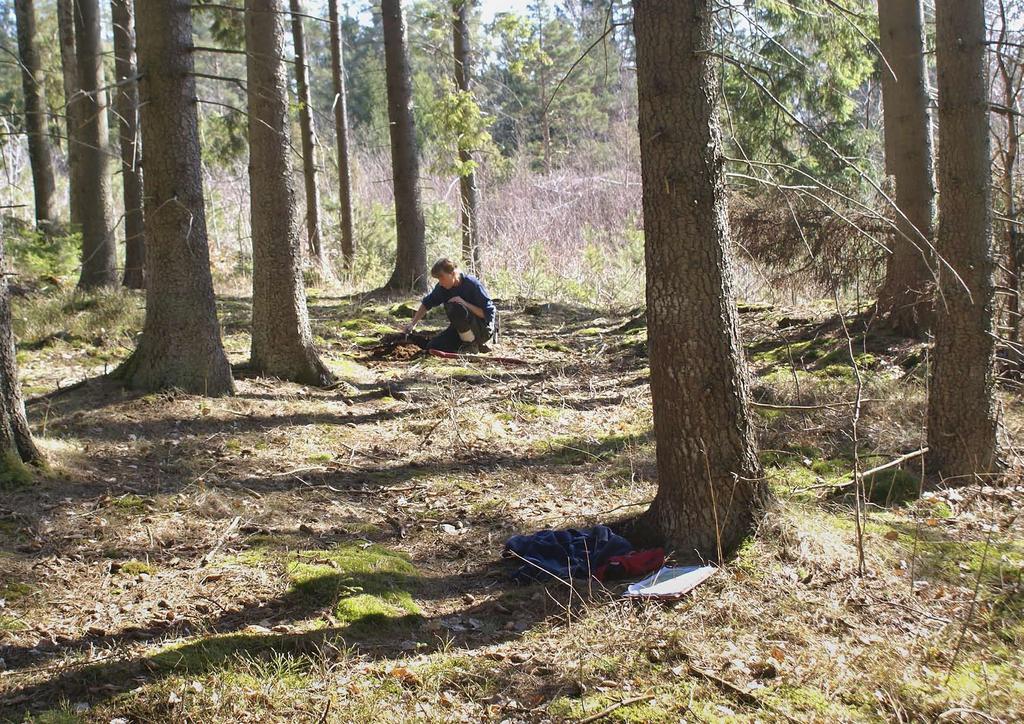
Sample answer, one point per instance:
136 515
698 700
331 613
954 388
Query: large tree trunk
309 164
710 484
180 345
126 104
72 104
467 182
282 344
15 438
961 407
39 155
411 258
341 132
99 251
905 297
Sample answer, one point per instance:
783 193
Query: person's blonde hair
445 265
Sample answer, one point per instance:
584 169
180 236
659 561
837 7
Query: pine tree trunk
905 297
126 104
282 344
39 156
962 428
341 131
467 182
15 437
99 251
180 344
410 272
72 104
309 164
710 484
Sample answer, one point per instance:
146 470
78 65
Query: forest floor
299 554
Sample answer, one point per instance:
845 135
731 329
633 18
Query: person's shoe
469 348
484 348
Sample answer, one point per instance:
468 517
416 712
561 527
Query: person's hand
458 300
405 328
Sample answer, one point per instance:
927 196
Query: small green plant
36 255
891 486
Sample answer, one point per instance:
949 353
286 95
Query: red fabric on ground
632 565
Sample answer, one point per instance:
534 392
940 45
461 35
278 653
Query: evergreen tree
126 105
410 273
180 344
340 104
39 154
99 252
962 426
282 344
710 483
16 444
306 133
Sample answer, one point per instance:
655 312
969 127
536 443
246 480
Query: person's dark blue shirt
469 288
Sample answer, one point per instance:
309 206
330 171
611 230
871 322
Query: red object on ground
631 565
482 357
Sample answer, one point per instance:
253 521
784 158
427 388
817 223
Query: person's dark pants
460 320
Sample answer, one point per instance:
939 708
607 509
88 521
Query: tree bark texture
710 484
72 104
282 344
99 251
410 272
39 156
906 295
15 436
180 344
309 164
126 104
467 182
962 428
341 133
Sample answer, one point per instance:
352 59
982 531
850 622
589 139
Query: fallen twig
327 710
733 690
822 406
363 491
617 705
847 483
220 541
603 513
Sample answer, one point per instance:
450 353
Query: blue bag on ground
564 553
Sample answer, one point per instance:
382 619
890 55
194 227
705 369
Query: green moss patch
131 503
554 346
364 585
810 704
135 567
15 590
522 409
570 709
11 623
986 686
215 652
13 472
576 451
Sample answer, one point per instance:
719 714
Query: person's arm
473 309
420 314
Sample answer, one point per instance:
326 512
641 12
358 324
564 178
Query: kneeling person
468 306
